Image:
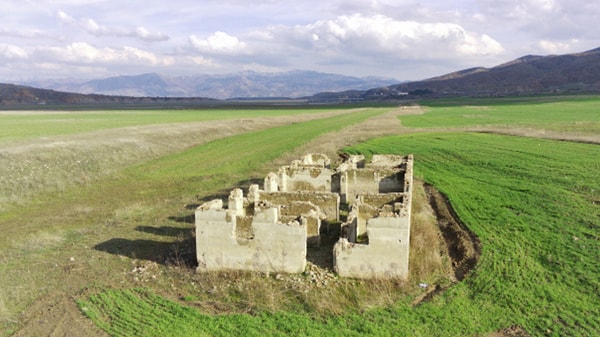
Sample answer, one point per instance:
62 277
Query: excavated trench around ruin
463 246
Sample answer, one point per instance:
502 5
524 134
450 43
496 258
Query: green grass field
579 114
533 203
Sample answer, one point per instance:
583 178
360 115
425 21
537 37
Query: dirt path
57 315
329 144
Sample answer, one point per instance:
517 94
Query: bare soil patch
57 315
513 331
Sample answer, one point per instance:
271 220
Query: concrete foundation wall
305 178
354 182
316 159
328 203
273 246
387 161
367 206
311 213
385 256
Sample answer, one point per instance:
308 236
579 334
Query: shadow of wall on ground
181 251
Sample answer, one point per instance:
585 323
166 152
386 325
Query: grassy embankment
42 151
57 243
19 125
532 202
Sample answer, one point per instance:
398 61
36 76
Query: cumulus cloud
84 53
379 34
219 43
12 52
90 26
25 34
543 26
65 18
521 10
366 44
556 47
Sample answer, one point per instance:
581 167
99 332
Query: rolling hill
11 95
528 75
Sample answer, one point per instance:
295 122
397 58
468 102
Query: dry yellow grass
49 164
6 316
429 261
39 241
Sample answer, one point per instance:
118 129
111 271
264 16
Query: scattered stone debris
144 271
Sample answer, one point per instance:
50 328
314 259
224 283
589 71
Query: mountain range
528 75
246 84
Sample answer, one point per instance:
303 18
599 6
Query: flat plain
97 220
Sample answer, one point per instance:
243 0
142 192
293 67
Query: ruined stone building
271 229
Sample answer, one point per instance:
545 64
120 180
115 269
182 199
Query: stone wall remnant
384 256
263 243
295 178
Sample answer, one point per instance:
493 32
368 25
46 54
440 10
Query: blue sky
406 40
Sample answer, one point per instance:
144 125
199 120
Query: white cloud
12 52
84 53
93 27
545 5
521 10
25 34
146 35
378 34
201 61
556 47
90 26
65 18
219 43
